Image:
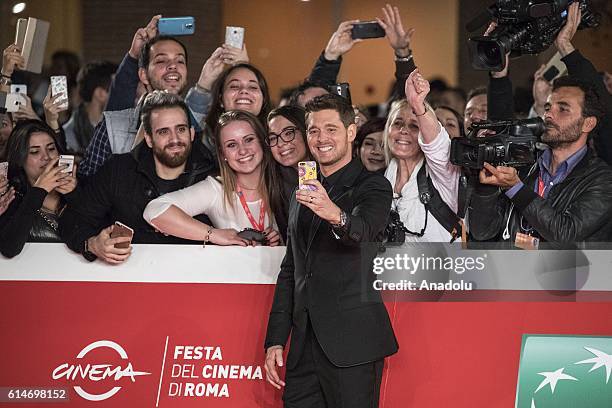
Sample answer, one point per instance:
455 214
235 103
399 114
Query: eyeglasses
287 135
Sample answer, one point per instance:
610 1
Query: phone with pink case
59 85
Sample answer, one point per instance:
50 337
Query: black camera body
523 27
514 144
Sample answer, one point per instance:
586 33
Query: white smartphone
59 84
66 159
234 36
13 101
22 89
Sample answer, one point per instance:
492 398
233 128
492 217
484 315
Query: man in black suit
339 326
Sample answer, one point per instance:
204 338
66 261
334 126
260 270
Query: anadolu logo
97 372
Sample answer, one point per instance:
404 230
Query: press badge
525 241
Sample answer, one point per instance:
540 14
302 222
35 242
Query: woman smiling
246 195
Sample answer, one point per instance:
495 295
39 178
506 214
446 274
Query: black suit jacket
321 276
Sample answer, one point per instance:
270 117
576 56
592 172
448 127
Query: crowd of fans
181 164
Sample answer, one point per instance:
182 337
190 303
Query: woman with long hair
41 187
246 195
287 141
241 87
414 140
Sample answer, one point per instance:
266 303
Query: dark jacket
326 72
321 276
579 209
120 191
23 223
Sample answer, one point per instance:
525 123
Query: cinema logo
97 372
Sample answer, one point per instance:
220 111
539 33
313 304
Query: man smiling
167 161
160 63
338 340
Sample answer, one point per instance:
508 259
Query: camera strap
430 198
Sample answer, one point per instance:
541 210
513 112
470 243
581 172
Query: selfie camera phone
234 36
122 230
20 89
307 170
176 26
59 84
4 169
13 101
343 90
68 160
368 29
251 234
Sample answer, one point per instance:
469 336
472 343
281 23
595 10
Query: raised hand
417 88
541 89
12 59
563 42
398 37
341 41
143 35
53 106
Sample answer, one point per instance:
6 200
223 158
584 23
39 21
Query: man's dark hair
98 74
161 100
481 90
301 89
333 102
145 54
591 105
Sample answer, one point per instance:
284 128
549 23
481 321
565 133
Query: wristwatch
343 220
90 256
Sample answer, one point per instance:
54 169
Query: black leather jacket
577 210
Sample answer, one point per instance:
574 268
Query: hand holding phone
122 230
367 29
307 170
176 26
234 36
66 160
59 85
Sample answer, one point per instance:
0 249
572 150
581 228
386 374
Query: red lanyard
247 211
541 187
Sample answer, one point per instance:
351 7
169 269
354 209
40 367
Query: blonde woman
413 137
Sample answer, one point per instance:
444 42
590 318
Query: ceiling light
18 8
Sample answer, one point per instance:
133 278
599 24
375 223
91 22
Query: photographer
565 197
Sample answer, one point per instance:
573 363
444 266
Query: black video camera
513 144
523 27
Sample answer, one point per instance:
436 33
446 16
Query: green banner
565 371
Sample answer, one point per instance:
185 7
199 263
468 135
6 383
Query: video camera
523 27
513 144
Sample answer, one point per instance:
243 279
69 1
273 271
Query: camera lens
489 53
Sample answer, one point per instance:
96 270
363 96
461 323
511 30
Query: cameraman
565 197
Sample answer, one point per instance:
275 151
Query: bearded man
565 198
120 191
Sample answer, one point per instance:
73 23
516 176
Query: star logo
601 360
551 377
568 366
